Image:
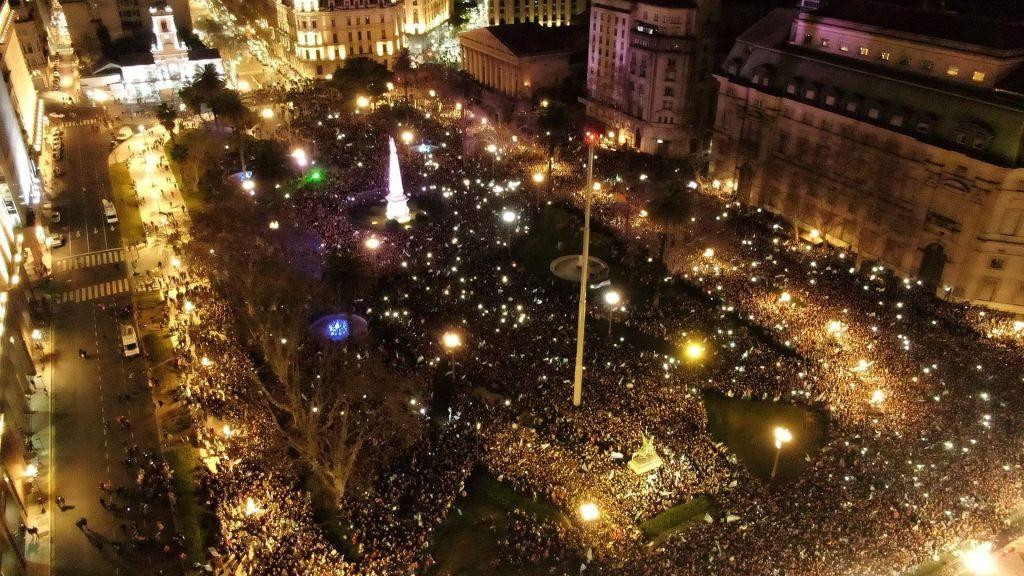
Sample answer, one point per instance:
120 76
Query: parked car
124 133
56 240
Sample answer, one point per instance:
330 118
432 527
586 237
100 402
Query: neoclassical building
516 59
156 75
543 12
649 68
896 131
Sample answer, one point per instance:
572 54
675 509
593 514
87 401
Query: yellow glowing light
709 252
37 334
205 361
694 350
362 102
432 93
835 327
815 233
877 397
248 185
544 103
979 560
492 148
612 297
251 509
782 436
244 85
451 340
189 306
274 225
407 136
176 262
31 471
538 177
267 113
228 431
589 512
372 243
1018 326
785 297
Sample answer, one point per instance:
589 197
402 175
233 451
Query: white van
129 342
108 211
124 133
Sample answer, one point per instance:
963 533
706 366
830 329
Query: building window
978 76
810 94
924 126
886 56
873 113
851 106
896 120
927 64
791 88
864 51
825 42
997 263
953 71
830 100
844 48
905 61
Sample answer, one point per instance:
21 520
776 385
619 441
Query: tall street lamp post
451 342
577 385
782 436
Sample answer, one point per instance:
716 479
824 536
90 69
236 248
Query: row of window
312 24
886 56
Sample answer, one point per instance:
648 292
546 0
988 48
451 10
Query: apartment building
649 73
543 12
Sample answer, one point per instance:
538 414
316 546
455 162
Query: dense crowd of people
919 395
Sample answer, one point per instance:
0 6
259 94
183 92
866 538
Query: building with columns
895 131
649 73
516 59
156 75
543 12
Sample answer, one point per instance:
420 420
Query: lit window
886 56
825 42
978 76
810 94
830 100
851 106
953 71
844 48
864 51
896 120
791 89
873 113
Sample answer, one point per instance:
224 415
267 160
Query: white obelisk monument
398 202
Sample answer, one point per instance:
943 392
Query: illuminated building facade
157 75
327 32
649 73
422 16
892 130
516 59
543 12
20 125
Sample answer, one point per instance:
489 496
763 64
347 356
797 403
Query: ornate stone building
543 12
895 131
649 72
516 59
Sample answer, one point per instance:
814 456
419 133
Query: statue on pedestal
645 459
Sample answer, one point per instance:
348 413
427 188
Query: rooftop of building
976 30
528 38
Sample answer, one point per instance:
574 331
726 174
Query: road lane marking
96 291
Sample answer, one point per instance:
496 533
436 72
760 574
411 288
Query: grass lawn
745 426
205 149
187 511
678 518
129 219
466 544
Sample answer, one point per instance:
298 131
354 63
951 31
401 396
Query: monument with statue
645 459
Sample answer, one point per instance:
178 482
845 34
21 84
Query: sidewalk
39 549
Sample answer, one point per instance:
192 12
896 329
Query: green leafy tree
347 277
670 211
168 117
363 76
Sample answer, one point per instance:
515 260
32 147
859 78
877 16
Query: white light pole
451 341
577 384
612 298
782 436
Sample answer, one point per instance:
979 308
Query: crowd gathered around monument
920 395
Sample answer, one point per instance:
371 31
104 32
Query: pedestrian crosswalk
96 291
78 122
90 259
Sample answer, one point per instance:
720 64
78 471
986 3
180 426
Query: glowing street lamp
451 341
267 113
538 177
694 351
300 157
612 298
877 397
251 509
407 136
785 297
31 471
249 186
782 436
362 102
979 561
589 512
372 243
